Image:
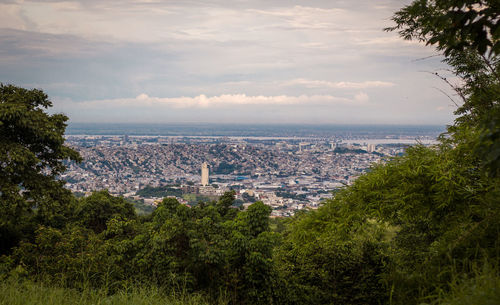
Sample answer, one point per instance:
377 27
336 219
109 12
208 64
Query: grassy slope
29 293
483 288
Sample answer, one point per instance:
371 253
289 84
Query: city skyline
326 62
284 174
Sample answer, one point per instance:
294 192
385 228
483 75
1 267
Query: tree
462 199
452 25
94 211
332 256
249 253
468 33
32 152
425 218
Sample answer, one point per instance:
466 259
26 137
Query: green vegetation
210 248
31 159
422 228
194 199
284 194
402 231
140 207
482 288
159 192
247 198
225 168
24 292
167 191
345 150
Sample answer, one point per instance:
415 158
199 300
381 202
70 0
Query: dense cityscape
288 174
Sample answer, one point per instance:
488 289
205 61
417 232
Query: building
204 174
303 146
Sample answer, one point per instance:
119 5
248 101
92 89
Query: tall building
303 146
370 148
204 174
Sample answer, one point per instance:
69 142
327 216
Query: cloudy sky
229 61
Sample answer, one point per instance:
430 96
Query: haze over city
323 62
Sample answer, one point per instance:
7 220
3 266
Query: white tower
204 174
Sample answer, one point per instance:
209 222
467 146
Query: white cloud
303 17
299 10
362 97
338 85
145 101
320 59
142 97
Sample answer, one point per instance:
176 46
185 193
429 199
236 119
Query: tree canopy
32 152
452 25
468 34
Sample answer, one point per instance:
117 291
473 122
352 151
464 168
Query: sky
222 61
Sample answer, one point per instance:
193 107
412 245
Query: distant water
247 130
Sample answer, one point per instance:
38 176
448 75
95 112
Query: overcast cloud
221 61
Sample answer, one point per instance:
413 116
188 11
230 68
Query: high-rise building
204 174
370 148
303 146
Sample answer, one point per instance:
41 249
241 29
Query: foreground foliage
482 288
32 151
204 248
22 292
403 232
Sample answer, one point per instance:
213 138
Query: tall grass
24 292
482 288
